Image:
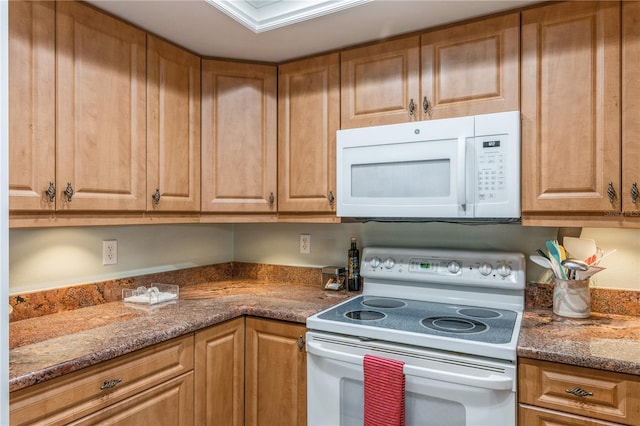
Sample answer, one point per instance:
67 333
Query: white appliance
453 317
457 168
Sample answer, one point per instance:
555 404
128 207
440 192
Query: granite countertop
49 346
602 341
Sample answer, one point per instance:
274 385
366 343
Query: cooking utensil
543 253
599 259
574 265
583 275
542 261
556 258
579 248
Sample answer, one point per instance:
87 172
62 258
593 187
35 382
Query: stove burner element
365 315
479 313
384 303
454 325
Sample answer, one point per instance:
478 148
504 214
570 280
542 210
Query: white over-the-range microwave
463 168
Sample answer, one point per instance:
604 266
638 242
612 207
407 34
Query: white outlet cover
110 252
305 244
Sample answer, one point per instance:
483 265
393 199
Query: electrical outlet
305 243
109 252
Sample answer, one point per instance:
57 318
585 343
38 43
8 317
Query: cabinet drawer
75 395
588 392
542 417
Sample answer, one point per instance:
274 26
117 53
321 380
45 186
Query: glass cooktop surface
487 325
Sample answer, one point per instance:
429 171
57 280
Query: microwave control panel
490 169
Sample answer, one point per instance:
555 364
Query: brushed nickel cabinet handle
611 192
425 105
272 199
634 192
579 392
331 197
108 384
68 192
156 197
300 343
412 107
51 192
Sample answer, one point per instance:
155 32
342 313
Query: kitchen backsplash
54 258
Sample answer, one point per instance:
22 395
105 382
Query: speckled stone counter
49 346
602 341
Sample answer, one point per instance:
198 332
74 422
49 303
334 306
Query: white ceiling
203 29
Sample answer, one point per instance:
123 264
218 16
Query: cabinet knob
156 197
634 192
412 107
272 199
331 197
425 104
301 343
68 192
611 192
108 384
51 192
579 392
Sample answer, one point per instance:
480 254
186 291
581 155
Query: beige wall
50 258
58 257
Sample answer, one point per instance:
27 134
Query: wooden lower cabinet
151 386
275 373
219 381
559 394
169 403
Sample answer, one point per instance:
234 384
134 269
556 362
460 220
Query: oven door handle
494 381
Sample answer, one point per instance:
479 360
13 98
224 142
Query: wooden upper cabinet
630 108
471 68
173 128
31 105
239 137
308 118
379 82
571 107
101 110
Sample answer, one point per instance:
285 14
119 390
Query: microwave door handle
461 173
495 382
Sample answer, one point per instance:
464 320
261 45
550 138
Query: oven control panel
500 269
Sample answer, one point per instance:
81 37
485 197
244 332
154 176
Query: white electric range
452 316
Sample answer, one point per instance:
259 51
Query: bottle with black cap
353 267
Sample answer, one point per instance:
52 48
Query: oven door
441 389
405 170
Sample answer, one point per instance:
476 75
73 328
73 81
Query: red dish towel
383 392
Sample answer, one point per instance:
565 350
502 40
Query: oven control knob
485 269
453 267
374 262
389 263
504 270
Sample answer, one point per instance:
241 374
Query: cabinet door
173 128
219 369
380 82
528 415
168 404
308 118
570 107
239 137
631 108
276 383
31 105
604 395
101 92
472 68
